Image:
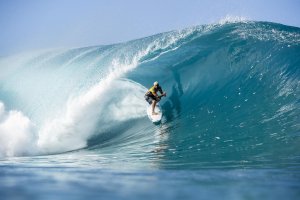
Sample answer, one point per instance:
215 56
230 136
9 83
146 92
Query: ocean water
73 122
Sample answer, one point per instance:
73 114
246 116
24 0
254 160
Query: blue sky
41 24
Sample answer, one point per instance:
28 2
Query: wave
70 95
233 96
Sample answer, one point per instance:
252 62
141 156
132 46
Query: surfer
152 97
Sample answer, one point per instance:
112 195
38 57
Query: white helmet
155 83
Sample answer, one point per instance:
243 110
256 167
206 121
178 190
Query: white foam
232 19
17 133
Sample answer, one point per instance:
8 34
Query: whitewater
75 121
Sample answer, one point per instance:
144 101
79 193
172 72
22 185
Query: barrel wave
233 99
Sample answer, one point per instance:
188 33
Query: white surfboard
154 118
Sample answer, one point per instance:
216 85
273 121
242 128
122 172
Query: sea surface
73 122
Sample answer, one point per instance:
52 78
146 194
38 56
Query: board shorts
150 98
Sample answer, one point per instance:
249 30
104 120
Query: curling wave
233 97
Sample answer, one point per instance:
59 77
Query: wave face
233 98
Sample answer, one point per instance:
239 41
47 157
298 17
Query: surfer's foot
154 113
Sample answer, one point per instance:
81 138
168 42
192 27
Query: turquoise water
73 122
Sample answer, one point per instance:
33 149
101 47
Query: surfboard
154 118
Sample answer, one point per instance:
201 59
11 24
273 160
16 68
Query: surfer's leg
153 107
148 99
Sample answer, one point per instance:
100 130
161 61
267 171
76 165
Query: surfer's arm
162 93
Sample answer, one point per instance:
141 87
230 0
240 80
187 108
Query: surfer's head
155 83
